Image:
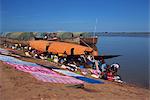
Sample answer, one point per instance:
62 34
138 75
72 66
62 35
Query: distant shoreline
130 34
126 34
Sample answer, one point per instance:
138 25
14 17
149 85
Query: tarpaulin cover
59 47
39 45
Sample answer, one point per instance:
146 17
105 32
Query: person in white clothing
114 68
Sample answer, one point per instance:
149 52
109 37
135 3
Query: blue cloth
81 66
77 76
99 64
66 72
89 80
16 61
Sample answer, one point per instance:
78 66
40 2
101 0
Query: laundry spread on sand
44 74
89 80
3 51
66 72
39 72
56 78
31 69
13 60
77 76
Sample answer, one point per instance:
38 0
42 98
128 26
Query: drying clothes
3 51
16 61
65 72
77 76
31 69
39 72
56 78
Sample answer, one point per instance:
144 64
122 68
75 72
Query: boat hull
90 40
82 41
60 47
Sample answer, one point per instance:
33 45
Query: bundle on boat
61 47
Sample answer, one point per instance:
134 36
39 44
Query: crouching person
27 53
114 68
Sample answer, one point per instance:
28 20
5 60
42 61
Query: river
134 59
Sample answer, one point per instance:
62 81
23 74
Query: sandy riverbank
17 85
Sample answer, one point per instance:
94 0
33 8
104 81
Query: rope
85 43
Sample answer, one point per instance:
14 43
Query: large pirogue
61 47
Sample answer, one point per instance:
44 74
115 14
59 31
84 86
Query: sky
74 15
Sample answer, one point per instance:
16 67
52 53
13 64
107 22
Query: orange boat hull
60 47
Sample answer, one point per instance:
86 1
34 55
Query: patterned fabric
77 76
13 60
31 69
56 78
3 51
65 72
39 72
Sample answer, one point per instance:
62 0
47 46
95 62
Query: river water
134 59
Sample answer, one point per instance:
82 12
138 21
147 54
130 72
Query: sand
17 85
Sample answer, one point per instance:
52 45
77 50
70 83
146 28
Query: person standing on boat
46 36
72 51
71 57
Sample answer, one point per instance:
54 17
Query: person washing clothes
114 68
103 66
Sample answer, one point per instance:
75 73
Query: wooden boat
88 40
82 41
61 47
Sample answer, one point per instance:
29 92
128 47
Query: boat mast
95 29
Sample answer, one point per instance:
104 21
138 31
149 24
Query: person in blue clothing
103 66
100 64
103 69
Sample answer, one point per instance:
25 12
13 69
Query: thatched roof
21 35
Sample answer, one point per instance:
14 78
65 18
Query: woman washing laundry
114 68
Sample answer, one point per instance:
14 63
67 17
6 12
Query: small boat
61 47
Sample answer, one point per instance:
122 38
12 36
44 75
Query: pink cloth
31 69
96 72
56 78
46 75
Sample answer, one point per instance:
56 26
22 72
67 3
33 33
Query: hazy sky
74 15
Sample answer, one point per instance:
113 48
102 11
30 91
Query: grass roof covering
21 35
